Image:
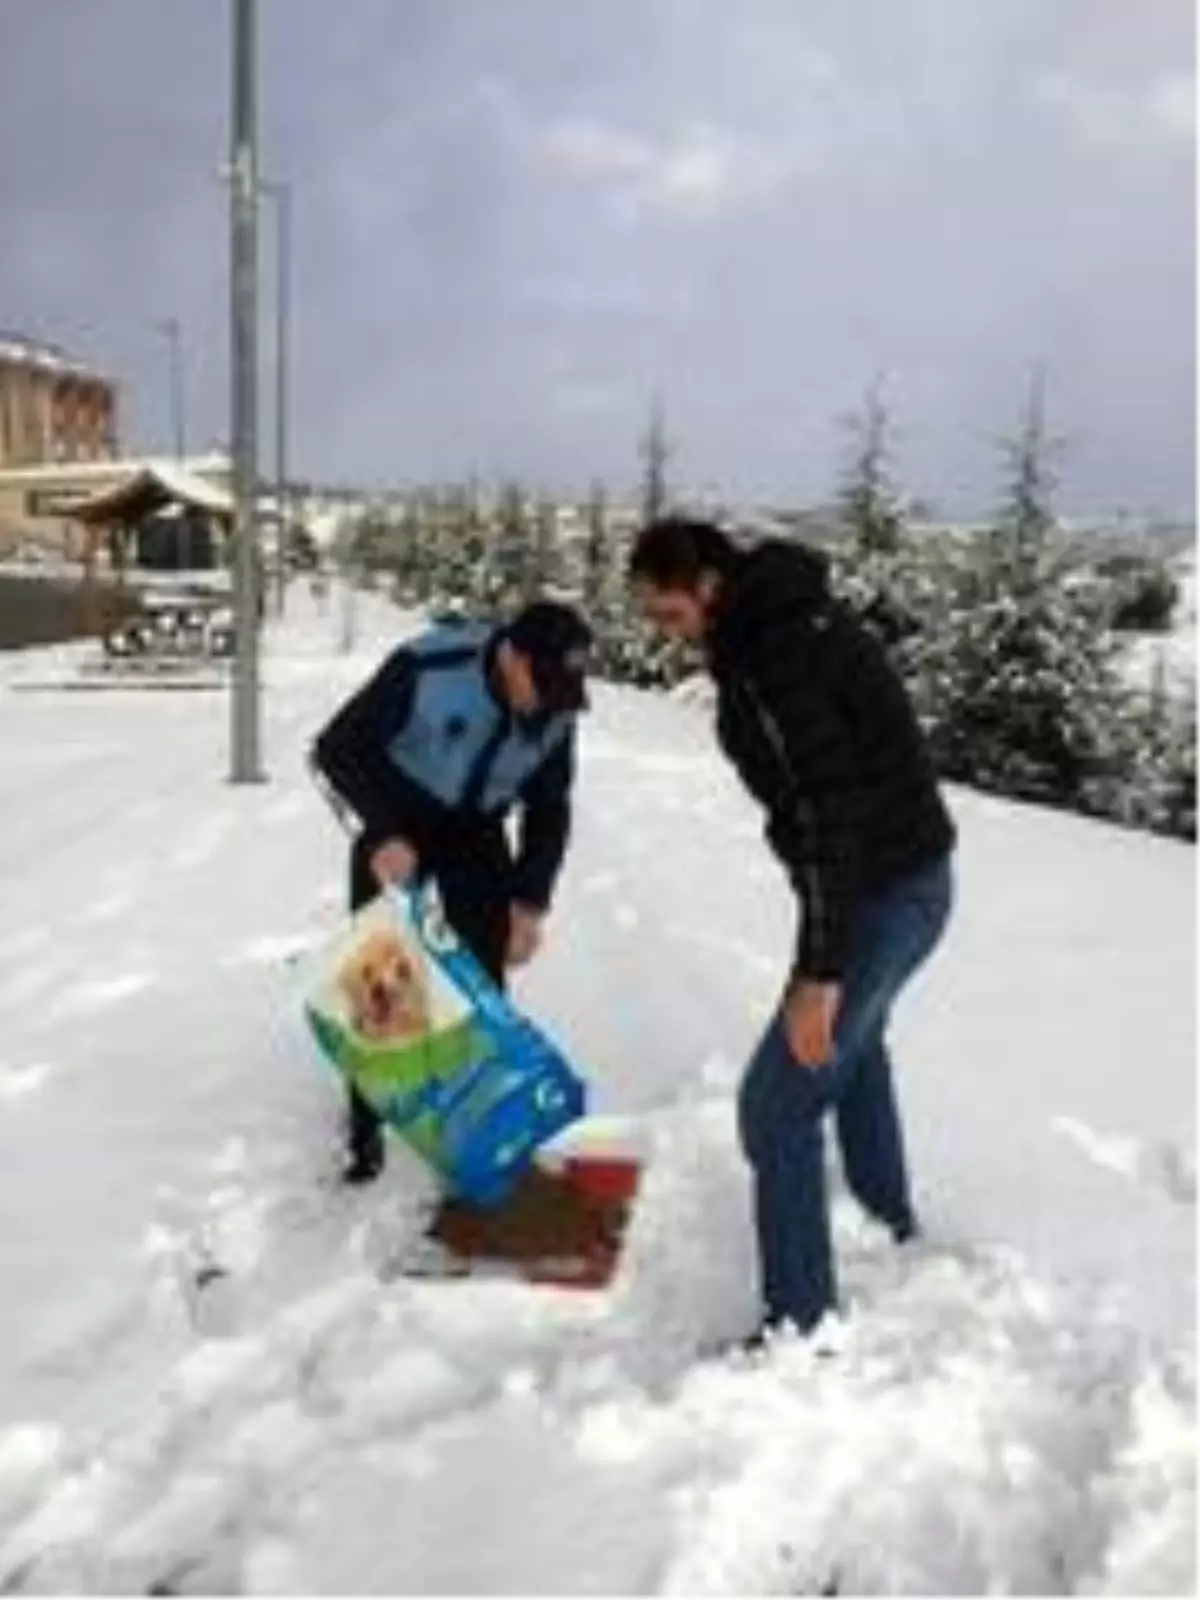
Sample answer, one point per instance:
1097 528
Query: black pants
472 870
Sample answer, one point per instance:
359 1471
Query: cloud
1095 114
586 398
1109 116
587 149
1172 104
703 173
511 222
696 172
736 135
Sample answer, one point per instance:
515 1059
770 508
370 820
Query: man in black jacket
821 731
458 728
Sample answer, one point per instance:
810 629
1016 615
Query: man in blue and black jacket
458 728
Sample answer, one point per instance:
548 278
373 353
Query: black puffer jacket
821 730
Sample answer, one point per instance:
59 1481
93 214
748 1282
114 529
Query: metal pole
244 765
282 195
283 354
170 328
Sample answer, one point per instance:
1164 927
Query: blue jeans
781 1106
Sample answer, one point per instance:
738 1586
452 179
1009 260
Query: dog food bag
406 1015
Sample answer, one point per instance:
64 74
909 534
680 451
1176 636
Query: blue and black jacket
428 751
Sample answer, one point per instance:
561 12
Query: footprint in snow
1176 1171
296 803
202 846
27 984
108 907
144 811
273 949
101 993
27 939
599 883
17 1082
1164 1165
30 1457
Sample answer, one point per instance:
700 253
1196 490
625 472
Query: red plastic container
606 1179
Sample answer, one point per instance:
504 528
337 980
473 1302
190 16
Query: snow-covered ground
1012 1406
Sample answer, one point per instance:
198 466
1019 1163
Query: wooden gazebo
122 508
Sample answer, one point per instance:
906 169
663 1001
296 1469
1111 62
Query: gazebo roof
149 489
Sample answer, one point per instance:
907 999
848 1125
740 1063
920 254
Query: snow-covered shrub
1143 594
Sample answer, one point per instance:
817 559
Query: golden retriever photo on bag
383 982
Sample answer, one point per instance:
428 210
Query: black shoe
365 1162
760 1341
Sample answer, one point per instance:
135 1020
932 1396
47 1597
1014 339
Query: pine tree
1149 778
1016 681
872 567
595 555
511 554
604 599
1143 594
433 544
1021 536
655 451
1175 810
867 500
462 573
424 547
543 565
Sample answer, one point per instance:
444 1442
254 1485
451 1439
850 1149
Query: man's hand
809 1014
394 863
524 935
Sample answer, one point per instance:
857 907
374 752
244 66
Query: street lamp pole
245 709
281 193
170 328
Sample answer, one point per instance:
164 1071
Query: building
161 518
56 417
52 408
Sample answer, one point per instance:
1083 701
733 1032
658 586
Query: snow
1162 663
1007 1407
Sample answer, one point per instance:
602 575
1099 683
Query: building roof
76 478
149 489
18 350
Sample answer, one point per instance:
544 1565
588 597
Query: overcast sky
516 218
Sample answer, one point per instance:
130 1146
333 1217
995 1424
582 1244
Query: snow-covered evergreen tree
655 451
867 501
1015 679
510 554
1149 777
596 559
1144 594
876 567
544 563
416 545
462 569
1170 753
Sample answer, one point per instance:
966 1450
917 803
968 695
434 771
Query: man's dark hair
673 552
